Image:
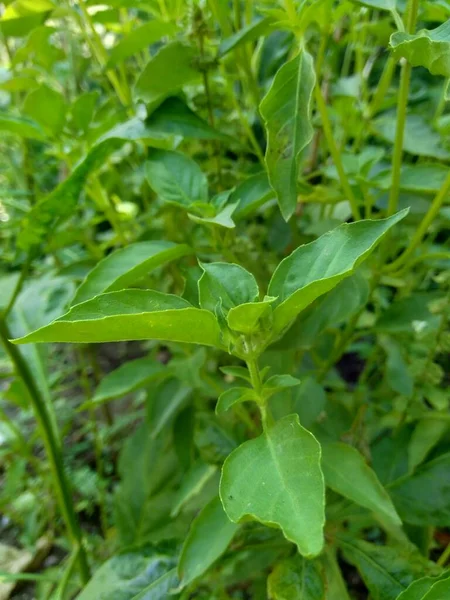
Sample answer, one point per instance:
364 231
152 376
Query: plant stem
442 560
53 449
19 285
402 107
440 198
255 378
335 153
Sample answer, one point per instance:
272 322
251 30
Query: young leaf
246 318
233 396
296 578
127 378
138 39
422 498
316 268
176 178
286 112
130 315
123 267
210 534
347 473
276 479
428 48
250 33
226 282
47 107
26 128
166 72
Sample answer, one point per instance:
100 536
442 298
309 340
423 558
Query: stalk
255 378
335 154
52 447
402 106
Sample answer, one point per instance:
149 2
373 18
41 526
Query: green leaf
127 378
166 72
163 405
193 482
139 39
239 372
26 128
426 435
246 318
422 498
234 396
381 4
296 578
131 315
227 283
47 107
176 178
120 269
276 479
420 178
131 575
386 570
336 587
174 117
428 48
347 473
316 268
222 218
251 32
309 401
210 534
418 590
286 110
83 110
419 138
398 376
251 195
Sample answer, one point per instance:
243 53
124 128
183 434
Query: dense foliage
225 272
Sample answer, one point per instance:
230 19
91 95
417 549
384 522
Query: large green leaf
47 107
210 534
286 112
140 575
131 315
176 178
296 578
166 72
428 48
347 473
423 497
227 284
276 479
138 39
316 268
418 590
123 267
386 570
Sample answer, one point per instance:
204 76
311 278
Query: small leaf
276 479
277 383
286 110
240 372
422 498
227 283
166 72
316 268
130 315
398 376
210 534
347 473
222 218
426 435
47 107
251 195
127 378
193 482
123 267
83 110
253 31
26 128
428 48
234 396
296 578
164 403
246 318
139 39
176 178
336 587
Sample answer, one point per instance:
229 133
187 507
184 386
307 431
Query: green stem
383 86
52 447
402 107
443 559
19 285
255 378
335 153
438 201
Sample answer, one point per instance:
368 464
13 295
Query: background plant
178 174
